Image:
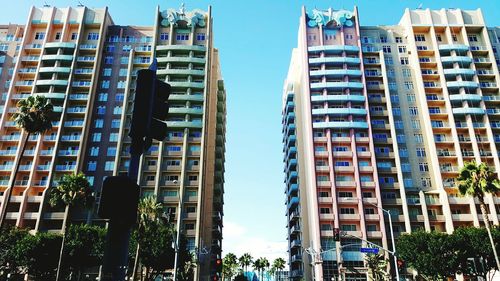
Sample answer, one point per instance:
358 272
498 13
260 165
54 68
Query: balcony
333 49
335 73
460 48
57 57
339 98
337 85
461 60
465 97
469 110
334 61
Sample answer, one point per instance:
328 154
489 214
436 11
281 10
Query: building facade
87 66
379 119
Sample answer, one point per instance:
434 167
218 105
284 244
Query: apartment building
379 119
87 66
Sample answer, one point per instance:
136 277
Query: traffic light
218 266
401 263
119 199
150 110
336 234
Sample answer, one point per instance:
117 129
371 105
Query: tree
279 265
71 190
436 258
9 238
245 261
229 265
261 264
84 247
38 255
153 238
149 212
33 116
476 180
475 259
377 266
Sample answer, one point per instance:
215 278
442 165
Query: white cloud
239 240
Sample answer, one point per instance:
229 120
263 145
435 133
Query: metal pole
393 245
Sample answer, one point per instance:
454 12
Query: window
413 110
415 124
91 166
117 110
123 72
39 35
200 36
94 151
101 110
109 166
106 72
420 152
111 151
472 38
103 97
386 49
108 60
93 36
402 49
182 36
115 123
163 36
420 37
99 123
113 137
418 138
423 167
96 137
349 211
408 85
119 97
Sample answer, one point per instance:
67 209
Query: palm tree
261 264
476 180
245 261
377 266
279 265
71 190
34 117
229 264
149 210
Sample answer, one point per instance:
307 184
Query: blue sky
255 39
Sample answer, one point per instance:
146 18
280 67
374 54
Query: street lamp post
392 236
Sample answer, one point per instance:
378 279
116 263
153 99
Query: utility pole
120 194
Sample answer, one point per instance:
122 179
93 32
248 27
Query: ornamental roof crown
330 17
182 17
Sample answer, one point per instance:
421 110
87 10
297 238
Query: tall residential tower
381 118
87 66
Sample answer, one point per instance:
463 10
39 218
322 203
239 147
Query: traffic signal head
119 199
218 265
150 108
401 263
336 234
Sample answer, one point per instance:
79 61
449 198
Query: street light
392 234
